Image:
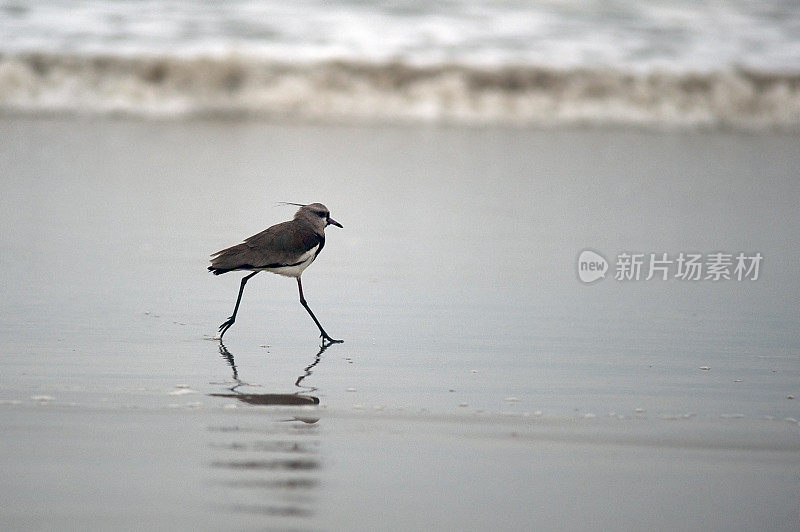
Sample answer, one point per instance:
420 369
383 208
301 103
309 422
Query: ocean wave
169 87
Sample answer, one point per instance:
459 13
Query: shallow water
480 383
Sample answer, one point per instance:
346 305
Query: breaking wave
169 87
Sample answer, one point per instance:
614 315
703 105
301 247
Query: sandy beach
481 383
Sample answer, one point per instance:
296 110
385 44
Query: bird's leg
323 334
227 325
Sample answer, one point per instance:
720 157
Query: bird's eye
322 214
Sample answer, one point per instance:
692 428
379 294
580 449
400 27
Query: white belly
304 261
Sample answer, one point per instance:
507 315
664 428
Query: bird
287 248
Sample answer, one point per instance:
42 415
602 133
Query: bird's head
316 213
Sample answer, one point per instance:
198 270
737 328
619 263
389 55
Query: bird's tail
230 259
219 271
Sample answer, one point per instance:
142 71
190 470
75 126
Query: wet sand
480 385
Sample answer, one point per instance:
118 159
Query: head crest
290 203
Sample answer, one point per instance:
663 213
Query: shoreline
268 121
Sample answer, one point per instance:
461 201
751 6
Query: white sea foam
339 91
679 35
660 63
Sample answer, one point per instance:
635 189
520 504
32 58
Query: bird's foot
225 326
327 340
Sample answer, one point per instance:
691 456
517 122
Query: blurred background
662 63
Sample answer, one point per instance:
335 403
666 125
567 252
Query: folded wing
284 244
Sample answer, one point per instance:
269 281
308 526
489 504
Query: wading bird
286 248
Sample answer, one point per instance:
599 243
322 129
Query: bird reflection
271 467
282 399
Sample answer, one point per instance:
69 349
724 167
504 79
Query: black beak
331 221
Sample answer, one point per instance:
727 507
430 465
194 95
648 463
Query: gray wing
280 245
